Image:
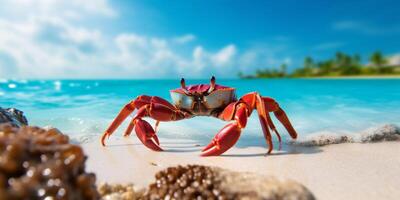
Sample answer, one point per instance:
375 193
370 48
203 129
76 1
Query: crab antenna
212 84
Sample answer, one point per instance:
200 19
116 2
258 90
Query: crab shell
199 102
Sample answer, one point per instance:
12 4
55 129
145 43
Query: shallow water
84 108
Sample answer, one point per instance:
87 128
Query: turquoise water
84 108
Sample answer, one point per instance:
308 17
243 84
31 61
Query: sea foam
387 132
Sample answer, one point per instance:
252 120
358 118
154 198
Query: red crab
202 100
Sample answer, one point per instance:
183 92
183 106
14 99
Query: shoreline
354 77
330 77
341 171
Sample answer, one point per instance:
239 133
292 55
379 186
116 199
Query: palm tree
283 70
326 67
356 60
342 60
378 59
308 62
308 66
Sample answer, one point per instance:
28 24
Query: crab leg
270 105
129 129
273 106
156 126
154 107
273 128
155 131
228 135
123 114
264 105
263 121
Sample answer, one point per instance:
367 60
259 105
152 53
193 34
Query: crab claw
146 135
223 141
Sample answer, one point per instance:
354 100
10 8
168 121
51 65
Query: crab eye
212 84
183 84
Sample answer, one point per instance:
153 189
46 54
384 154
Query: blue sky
170 39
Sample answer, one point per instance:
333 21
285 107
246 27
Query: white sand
342 171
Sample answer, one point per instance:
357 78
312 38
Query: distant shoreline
354 77
331 77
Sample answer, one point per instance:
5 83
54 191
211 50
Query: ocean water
84 108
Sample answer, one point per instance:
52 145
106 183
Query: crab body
199 102
202 100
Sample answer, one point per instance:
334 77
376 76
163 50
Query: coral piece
36 163
119 191
202 182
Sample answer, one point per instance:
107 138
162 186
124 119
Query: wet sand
340 171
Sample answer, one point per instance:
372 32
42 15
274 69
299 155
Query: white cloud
264 56
184 39
224 56
68 9
365 27
47 39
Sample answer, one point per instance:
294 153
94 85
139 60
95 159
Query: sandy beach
341 171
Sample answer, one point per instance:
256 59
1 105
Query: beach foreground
341 171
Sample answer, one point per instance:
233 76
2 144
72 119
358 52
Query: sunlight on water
86 107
